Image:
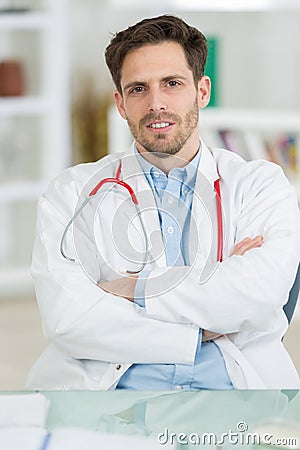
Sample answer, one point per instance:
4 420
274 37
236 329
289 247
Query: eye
173 83
137 90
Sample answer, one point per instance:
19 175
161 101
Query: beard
161 144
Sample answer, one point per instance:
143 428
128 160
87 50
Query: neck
168 162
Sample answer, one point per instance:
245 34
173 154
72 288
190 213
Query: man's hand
122 287
247 244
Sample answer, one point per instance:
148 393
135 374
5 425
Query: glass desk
183 417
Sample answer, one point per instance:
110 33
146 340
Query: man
163 303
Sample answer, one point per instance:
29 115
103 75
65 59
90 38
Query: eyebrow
174 77
164 79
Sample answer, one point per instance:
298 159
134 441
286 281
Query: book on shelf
256 146
235 142
283 149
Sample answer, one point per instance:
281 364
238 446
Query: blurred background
56 110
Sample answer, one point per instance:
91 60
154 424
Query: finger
244 241
247 244
248 241
259 237
258 240
242 250
209 335
255 243
103 285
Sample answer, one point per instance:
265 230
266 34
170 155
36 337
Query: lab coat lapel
133 174
203 240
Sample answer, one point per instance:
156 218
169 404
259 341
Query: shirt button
185 191
156 174
118 366
170 200
170 230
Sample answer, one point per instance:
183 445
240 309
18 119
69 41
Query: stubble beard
160 144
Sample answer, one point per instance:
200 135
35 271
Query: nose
157 100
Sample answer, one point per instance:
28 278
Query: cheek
134 111
185 101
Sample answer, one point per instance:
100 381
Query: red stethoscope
117 180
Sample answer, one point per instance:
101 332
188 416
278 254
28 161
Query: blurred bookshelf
34 128
26 20
27 105
257 134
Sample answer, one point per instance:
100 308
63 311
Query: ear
120 104
204 90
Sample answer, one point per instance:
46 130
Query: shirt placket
170 222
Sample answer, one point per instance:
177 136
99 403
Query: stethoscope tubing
69 224
118 181
219 220
94 191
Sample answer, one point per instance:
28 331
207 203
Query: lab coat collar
207 165
204 222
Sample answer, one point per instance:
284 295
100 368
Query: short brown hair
154 31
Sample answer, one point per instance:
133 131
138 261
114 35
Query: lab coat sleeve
244 293
80 318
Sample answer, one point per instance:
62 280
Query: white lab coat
95 336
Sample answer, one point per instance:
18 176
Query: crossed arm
125 287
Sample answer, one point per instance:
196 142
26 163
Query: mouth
160 126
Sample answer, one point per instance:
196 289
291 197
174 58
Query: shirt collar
187 174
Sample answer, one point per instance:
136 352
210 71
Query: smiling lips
160 126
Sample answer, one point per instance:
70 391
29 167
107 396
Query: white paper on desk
77 439
30 438
23 410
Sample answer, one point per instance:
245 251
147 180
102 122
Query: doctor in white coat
86 283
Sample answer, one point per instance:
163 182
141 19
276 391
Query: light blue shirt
173 194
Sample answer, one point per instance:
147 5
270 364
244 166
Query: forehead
151 61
